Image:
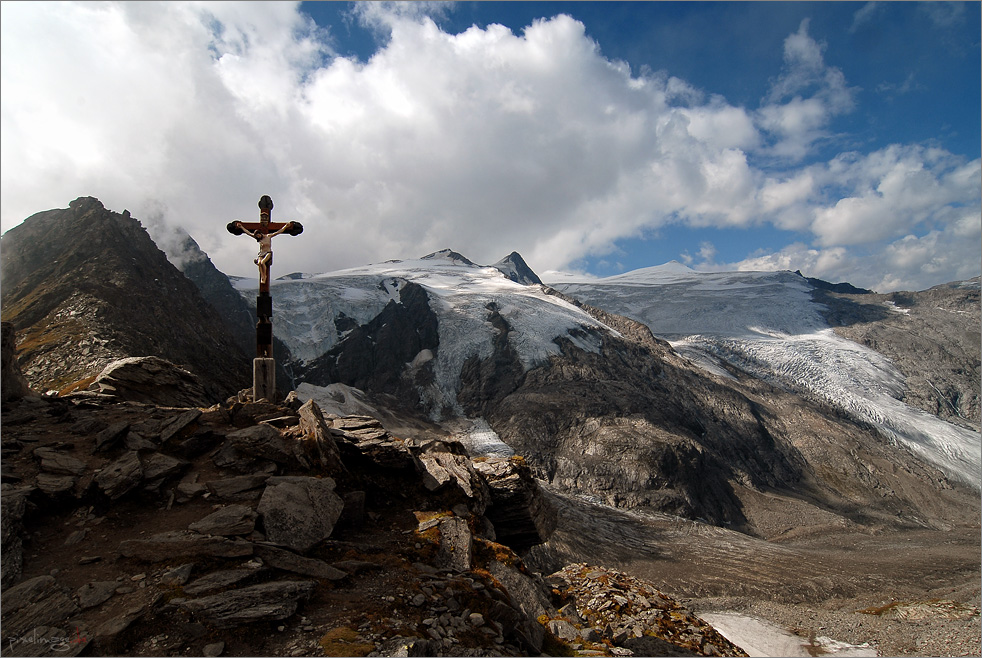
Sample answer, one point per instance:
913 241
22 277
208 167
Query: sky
839 139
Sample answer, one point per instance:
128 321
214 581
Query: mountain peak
449 255
515 268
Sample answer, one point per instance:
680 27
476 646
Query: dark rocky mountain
238 314
84 286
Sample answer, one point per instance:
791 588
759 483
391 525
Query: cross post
263 231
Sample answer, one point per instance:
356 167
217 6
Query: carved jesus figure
265 239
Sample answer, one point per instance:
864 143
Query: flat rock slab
217 580
266 442
121 476
59 463
95 593
176 425
230 520
264 602
38 601
284 560
167 545
299 512
234 486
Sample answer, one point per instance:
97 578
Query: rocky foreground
139 527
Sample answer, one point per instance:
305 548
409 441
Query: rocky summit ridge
84 286
256 528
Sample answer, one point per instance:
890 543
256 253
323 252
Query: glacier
768 325
460 293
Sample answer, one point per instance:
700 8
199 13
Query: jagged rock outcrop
259 568
150 379
85 286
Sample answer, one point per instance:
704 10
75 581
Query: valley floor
844 591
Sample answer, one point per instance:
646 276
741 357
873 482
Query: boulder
521 513
264 602
441 467
151 380
55 485
456 544
299 512
318 444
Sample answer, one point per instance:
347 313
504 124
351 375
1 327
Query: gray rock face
264 442
264 602
521 513
13 505
299 512
932 336
38 601
153 380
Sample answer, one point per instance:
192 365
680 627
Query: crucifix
263 231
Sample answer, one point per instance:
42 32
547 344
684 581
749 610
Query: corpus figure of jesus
264 232
265 239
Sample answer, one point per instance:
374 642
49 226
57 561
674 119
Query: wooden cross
263 231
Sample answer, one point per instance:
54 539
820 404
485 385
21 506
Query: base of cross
264 379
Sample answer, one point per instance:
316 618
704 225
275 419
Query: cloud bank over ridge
485 141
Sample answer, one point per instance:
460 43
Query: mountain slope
773 326
85 286
596 404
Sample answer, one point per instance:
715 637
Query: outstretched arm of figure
282 229
242 228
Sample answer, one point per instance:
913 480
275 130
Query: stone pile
631 614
